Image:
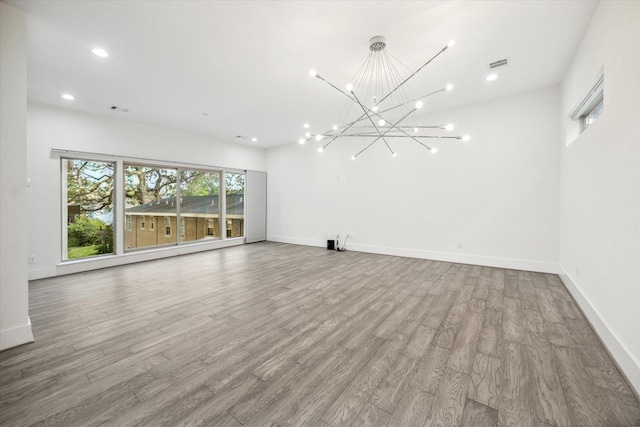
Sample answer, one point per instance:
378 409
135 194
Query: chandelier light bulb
466 138
306 125
434 150
419 104
449 126
320 149
349 87
491 77
308 135
451 43
254 139
449 87
353 157
415 130
335 127
393 154
301 141
319 137
381 122
375 109
312 73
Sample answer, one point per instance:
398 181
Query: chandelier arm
371 120
406 135
334 86
351 98
346 127
401 119
371 135
414 73
413 100
365 115
361 151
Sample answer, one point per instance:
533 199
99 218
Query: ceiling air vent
120 109
498 63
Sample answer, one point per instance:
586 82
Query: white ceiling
245 63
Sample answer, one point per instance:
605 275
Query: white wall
497 195
51 127
600 220
15 327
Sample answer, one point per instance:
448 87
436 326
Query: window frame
592 102
83 157
118 205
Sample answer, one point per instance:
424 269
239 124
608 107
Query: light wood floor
275 334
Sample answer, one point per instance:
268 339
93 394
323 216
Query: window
591 107
199 204
150 191
592 115
154 196
88 193
234 183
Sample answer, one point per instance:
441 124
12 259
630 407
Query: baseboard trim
88 264
14 337
42 273
627 365
488 261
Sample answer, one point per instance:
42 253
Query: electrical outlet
32 259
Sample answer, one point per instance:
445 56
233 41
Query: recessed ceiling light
68 96
492 77
98 51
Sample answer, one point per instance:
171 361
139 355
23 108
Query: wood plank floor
275 334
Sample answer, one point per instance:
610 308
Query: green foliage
82 251
198 183
106 237
90 185
90 232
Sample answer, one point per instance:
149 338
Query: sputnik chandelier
379 105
